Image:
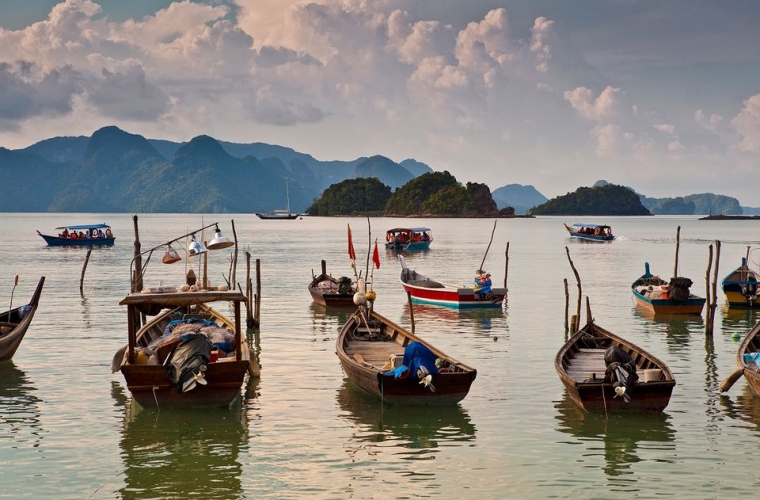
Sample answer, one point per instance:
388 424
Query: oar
117 359
731 379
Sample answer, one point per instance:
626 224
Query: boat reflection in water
677 329
481 320
181 453
627 439
746 408
19 411
738 320
422 430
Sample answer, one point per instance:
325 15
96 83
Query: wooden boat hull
278 216
55 241
151 385
741 287
670 306
426 291
582 371
370 375
588 237
750 344
411 247
11 340
329 296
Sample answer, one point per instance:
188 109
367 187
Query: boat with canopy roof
80 235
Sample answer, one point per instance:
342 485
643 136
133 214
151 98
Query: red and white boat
428 291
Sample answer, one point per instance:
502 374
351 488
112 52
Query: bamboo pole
580 290
248 291
480 269
714 304
708 301
567 305
678 245
137 283
84 268
506 265
234 258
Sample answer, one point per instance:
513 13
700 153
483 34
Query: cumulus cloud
127 96
665 128
540 46
605 106
747 124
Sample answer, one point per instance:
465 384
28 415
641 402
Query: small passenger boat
590 232
392 364
189 353
80 235
741 286
15 322
332 292
408 238
661 297
428 291
605 373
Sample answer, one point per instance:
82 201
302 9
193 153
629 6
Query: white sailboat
280 214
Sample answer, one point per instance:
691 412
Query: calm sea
69 429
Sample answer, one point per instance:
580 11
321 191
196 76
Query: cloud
747 124
605 106
127 96
665 128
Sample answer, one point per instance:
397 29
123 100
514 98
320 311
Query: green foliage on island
609 199
365 195
439 193
694 204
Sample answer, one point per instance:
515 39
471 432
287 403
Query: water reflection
738 320
420 431
676 329
19 409
486 320
180 453
746 408
622 437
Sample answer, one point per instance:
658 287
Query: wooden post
248 291
580 291
411 309
506 265
567 304
137 283
204 285
707 288
84 268
678 244
714 304
234 258
574 323
324 267
257 313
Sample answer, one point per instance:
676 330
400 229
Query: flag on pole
351 252
376 256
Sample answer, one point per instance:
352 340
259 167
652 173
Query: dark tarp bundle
679 288
344 285
188 361
621 370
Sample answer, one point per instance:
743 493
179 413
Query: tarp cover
187 359
416 355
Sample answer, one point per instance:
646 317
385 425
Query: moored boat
392 364
15 323
408 238
80 235
748 361
741 286
332 292
606 373
189 353
661 297
280 214
590 232
428 291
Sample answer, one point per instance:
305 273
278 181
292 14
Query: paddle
731 379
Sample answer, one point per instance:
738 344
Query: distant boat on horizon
280 214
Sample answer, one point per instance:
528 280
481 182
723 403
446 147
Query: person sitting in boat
65 233
425 236
108 233
482 283
73 235
101 234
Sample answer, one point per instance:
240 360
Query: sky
663 97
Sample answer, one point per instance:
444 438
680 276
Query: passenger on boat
101 234
65 233
425 236
108 233
73 235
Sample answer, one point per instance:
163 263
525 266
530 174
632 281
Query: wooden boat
748 361
15 322
332 292
87 235
150 350
590 232
368 342
582 368
428 291
741 286
408 238
661 297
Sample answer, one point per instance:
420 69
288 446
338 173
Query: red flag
376 256
351 253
